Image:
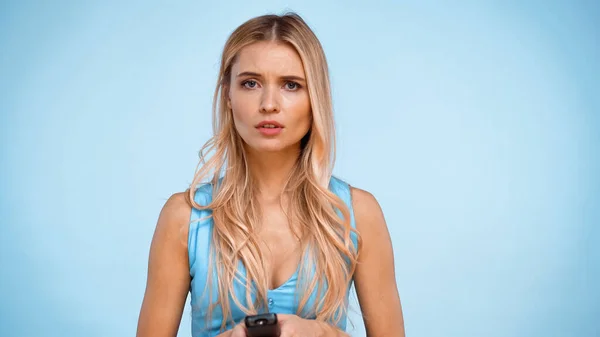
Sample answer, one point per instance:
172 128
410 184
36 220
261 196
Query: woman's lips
269 128
269 123
270 131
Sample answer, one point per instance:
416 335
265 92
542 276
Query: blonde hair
325 235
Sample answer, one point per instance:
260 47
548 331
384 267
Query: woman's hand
294 326
239 330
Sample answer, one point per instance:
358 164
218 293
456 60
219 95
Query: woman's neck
270 170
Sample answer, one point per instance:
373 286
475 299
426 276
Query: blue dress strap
344 191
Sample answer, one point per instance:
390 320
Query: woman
270 229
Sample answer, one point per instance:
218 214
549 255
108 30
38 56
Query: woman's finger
239 330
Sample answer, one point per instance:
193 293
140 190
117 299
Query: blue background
476 125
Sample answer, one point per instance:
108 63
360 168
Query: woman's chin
273 146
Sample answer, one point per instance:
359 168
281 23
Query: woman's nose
270 100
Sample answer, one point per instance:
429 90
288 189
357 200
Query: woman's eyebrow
286 77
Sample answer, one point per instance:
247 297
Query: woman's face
269 98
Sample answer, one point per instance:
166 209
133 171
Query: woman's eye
292 85
249 84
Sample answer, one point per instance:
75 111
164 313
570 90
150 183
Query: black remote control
263 325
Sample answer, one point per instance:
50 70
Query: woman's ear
226 91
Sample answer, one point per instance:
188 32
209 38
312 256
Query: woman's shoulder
176 209
364 204
171 227
367 211
174 218
363 199
360 197
179 206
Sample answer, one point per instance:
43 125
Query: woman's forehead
269 58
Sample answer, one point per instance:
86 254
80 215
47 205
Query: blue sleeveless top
280 300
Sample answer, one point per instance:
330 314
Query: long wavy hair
325 235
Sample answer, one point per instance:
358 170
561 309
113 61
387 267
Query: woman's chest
280 246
